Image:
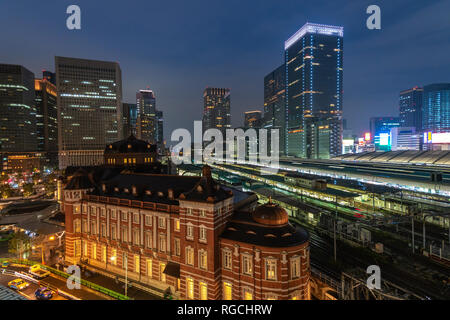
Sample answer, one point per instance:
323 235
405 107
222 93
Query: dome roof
130 145
270 214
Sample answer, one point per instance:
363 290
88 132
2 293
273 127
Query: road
82 293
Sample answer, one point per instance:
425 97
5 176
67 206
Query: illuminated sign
384 139
367 136
347 142
443 137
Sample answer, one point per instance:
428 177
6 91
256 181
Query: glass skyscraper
275 104
149 119
314 75
47 118
216 109
89 108
410 107
17 109
436 107
129 119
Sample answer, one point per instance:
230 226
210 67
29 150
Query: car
18 284
44 293
38 273
5 264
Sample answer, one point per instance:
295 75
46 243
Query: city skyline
248 50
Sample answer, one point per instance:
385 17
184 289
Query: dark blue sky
177 48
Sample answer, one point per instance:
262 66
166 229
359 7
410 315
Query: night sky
177 48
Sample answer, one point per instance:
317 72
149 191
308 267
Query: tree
6 191
27 189
19 244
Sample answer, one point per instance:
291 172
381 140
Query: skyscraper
314 68
90 109
436 107
252 119
149 125
275 104
129 113
47 119
17 109
216 110
410 105
49 76
380 131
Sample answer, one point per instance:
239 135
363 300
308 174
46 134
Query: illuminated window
76 209
190 288
77 248
295 267
137 263
202 259
149 267
227 291
248 295
247 265
162 275
125 160
189 256
177 224
104 255
94 251
203 291
77 225
114 256
85 249
271 272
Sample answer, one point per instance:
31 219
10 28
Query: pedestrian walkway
118 286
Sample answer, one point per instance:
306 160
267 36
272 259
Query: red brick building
200 239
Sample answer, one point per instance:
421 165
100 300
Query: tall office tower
129 113
49 76
275 104
89 109
410 104
146 111
216 109
314 68
47 119
17 109
436 107
253 119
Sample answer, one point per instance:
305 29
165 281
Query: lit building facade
149 119
17 109
436 107
47 119
253 119
216 109
404 138
187 234
129 113
410 107
314 88
89 106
